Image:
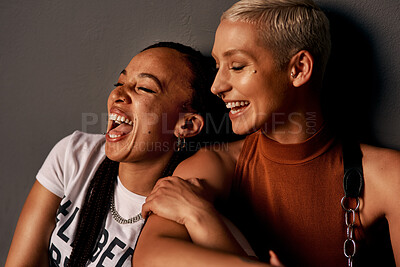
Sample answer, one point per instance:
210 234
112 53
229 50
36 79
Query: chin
113 154
243 129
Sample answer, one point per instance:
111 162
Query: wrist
204 221
199 216
207 228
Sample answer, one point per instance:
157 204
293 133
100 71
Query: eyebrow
234 52
146 75
151 76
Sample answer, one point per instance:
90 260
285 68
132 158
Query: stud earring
254 71
294 76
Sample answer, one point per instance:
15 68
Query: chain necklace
119 219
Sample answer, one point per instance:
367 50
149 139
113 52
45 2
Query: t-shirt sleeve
51 174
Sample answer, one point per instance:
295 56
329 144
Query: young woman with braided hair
98 182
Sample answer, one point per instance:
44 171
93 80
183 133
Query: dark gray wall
59 59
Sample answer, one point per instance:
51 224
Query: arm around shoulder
175 249
200 238
30 243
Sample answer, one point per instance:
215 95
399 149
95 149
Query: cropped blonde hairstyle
287 27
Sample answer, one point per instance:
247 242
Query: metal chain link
349 246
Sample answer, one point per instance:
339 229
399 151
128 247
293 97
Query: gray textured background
59 59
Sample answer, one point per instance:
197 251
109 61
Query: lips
121 124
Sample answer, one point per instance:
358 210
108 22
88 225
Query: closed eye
118 84
237 68
146 90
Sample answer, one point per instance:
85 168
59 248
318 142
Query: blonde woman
285 180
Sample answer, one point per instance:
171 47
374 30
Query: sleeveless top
288 198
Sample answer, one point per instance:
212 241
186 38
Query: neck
297 125
140 177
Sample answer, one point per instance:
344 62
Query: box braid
101 189
96 206
93 212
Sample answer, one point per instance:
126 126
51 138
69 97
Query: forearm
180 202
20 255
207 229
30 243
167 251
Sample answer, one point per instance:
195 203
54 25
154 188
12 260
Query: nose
120 95
221 84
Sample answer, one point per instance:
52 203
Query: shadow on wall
352 80
352 84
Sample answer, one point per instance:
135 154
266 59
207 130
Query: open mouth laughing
121 125
237 106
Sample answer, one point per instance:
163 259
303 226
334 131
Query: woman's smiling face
248 80
146 104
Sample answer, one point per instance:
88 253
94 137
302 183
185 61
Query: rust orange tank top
288 198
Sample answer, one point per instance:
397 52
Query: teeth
237 104
119 119
234 111
114 135
112 117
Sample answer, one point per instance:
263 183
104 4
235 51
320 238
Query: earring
254 71
294 76
181 143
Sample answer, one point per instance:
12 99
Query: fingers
174 198
146 210
194 181
156 200
167 182
179 185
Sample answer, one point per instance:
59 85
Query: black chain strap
353 182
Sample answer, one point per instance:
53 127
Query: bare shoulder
214 164
220 157
382 178
383 162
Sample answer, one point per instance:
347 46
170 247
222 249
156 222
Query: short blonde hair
287 27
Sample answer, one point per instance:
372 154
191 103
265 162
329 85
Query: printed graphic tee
67 172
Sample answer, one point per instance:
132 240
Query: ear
301 68
190 124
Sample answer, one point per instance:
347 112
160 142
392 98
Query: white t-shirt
67 172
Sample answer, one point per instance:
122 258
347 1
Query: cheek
170 119
249 85
159 120
150 116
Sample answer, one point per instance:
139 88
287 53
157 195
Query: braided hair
101 189
93 212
